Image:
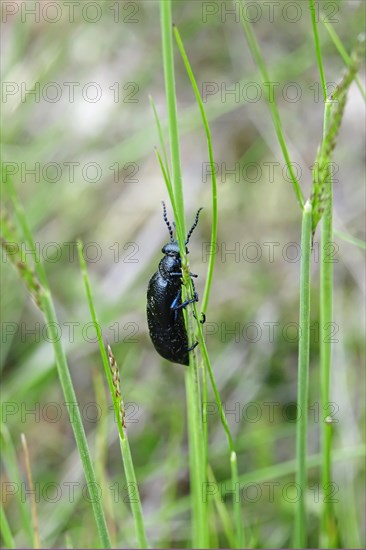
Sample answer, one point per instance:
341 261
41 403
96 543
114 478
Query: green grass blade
289 467
257 55
74 412
20 214
222 512
135 500
325 287
101 446
169 187
49 312
321 193
195 430
303 379
168 60
161 136
322 203
103 353
278 470
240 534
350 239
129 469
5 529
317 49
196 459
210 267
341 49
9 458
164 165
326 315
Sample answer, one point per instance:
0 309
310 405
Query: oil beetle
164 302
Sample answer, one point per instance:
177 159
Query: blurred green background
87 131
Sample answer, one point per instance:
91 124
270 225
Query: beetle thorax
169 264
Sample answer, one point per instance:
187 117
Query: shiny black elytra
164 302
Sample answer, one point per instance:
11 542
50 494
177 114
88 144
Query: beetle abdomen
166 326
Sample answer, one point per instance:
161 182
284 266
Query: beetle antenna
193 226
167 222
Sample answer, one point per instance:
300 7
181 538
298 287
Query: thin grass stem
239 527
326 314
169 187
350 239
101 345
326 298
168 60
36 540
74 413
161 136
210 267
303 378
5 529
233 459
9 458
49 312
317 49
113 382
257 55
222 511
195 430
343 52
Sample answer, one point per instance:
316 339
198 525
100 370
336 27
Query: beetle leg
184 304
194 299
176 300
192 347
174 304
180 274
203 317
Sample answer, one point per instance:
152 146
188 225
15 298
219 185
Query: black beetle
164 303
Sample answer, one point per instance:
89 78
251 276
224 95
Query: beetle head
170 263
172 249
